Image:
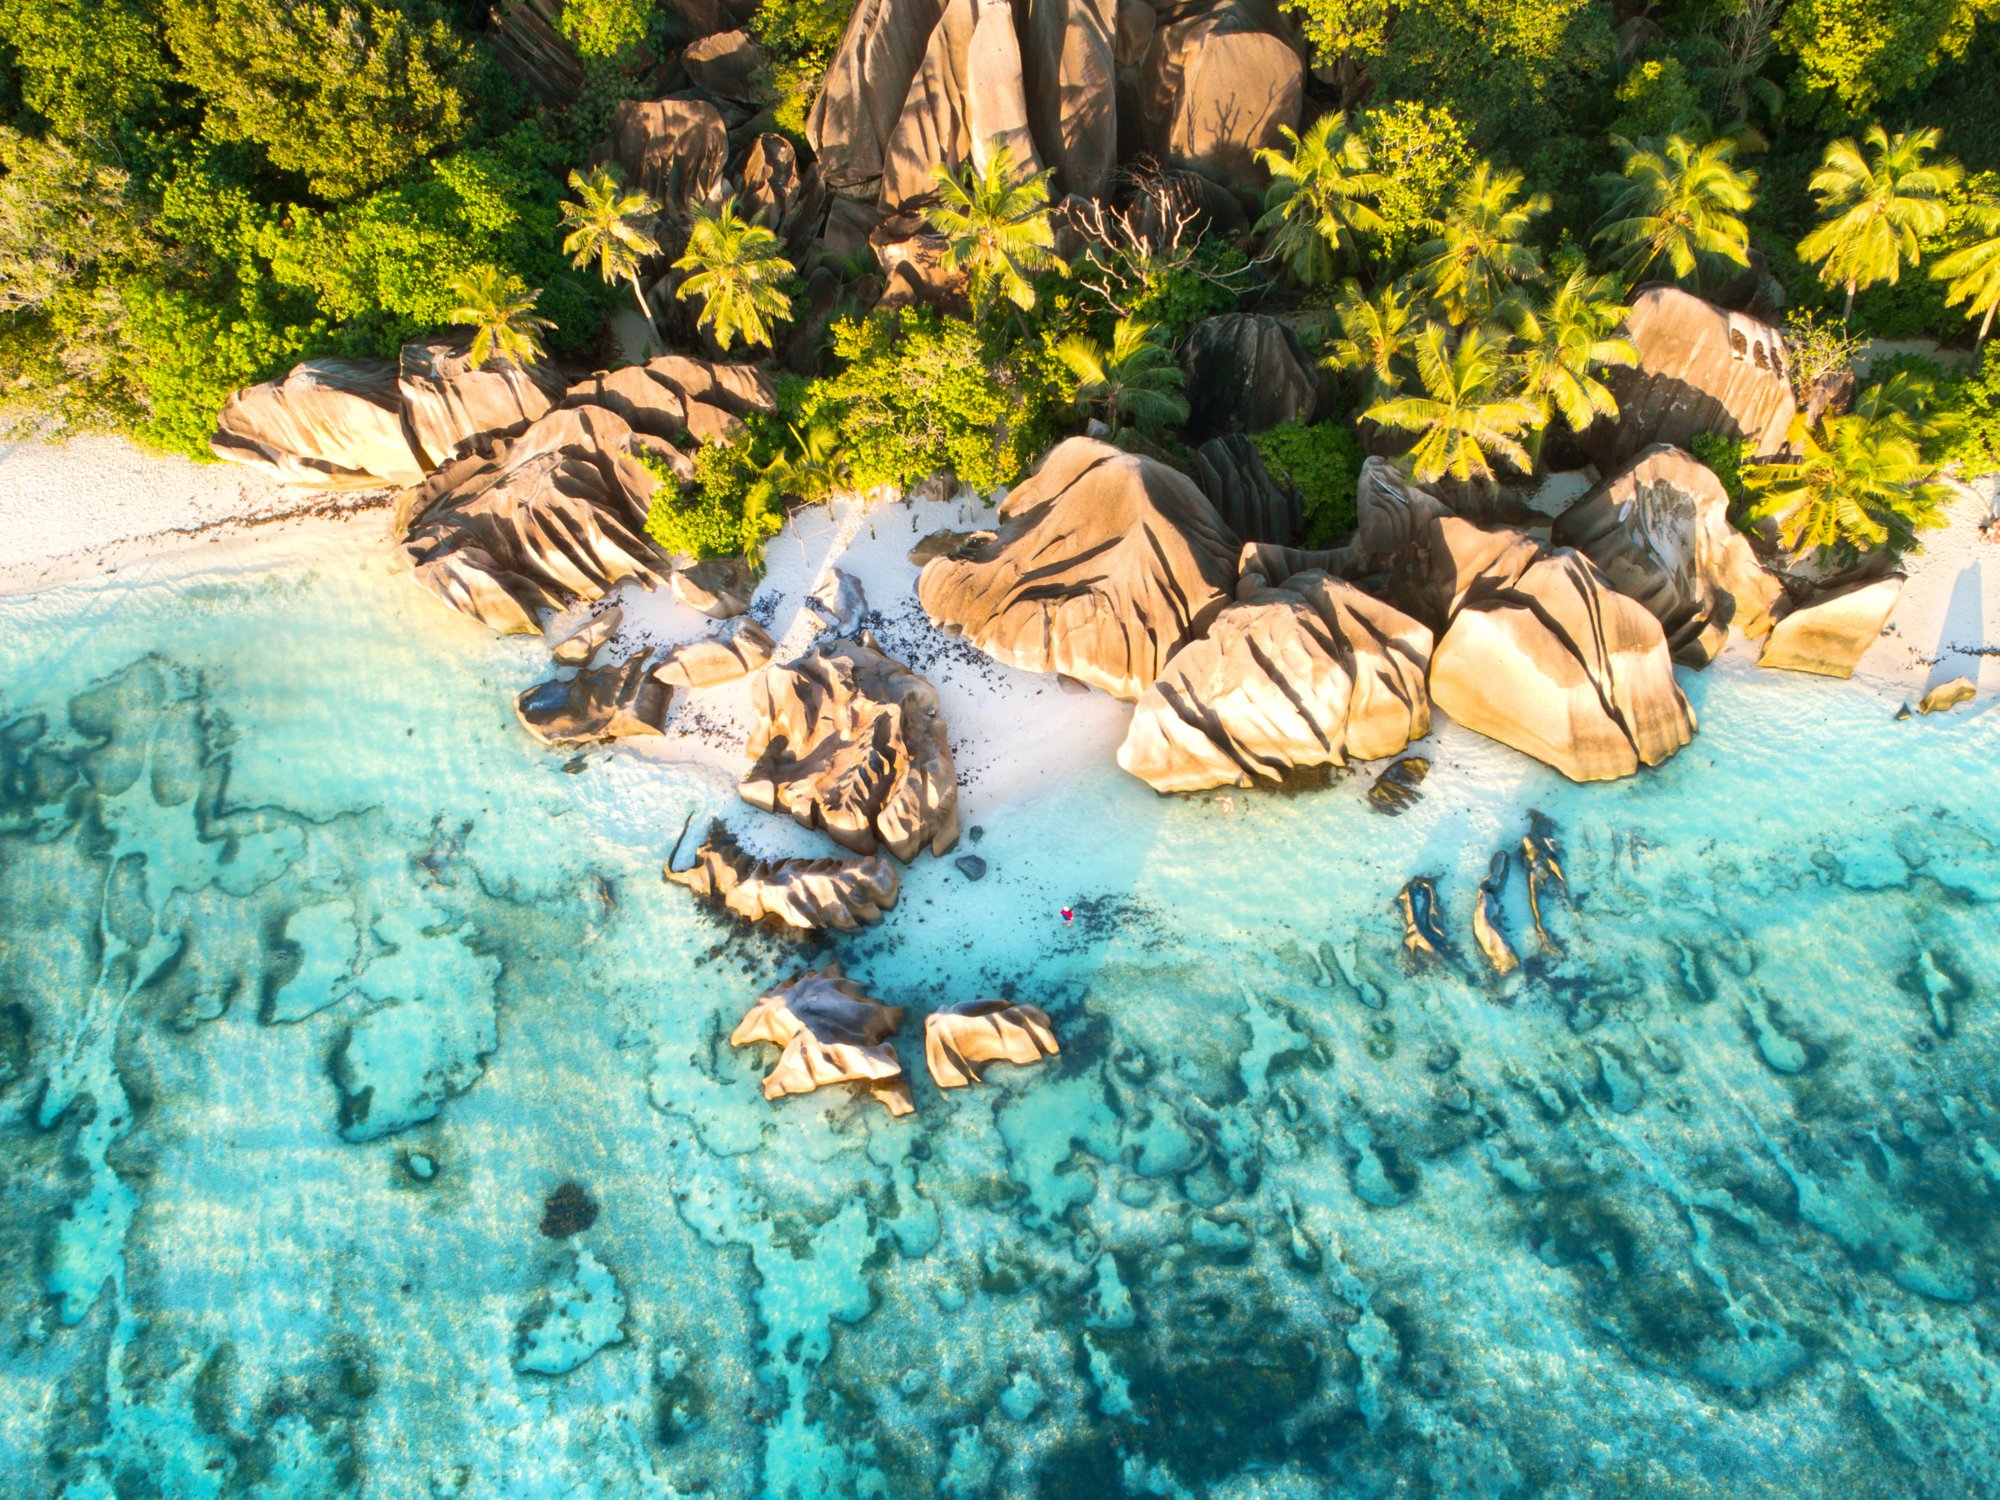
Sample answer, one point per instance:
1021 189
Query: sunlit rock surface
810 894
1103 564
1830 634
958 1038
849 740
612 702
329 423
829 1031
453 409
737 651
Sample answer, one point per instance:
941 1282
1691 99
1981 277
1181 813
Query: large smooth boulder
736 652
730 66
1314 673
604 703
958 1038
329 423
1659 528
1831 634
674 150
1542 654
829 1032
1700 370
1103 564
1245 373
556 517
1392 514
454 409
862 95
676 398
964 105
807 894
1068 57
1250 502
1216 89
850 740
719 587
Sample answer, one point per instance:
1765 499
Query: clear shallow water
290 908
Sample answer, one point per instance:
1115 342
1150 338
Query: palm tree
1465 417
736 270
1563 343
997 230
1682 203
1136 381
1874 207
1318 197
611 226
815 469
1478 256
500 311
1375 337
1972 272
1860 481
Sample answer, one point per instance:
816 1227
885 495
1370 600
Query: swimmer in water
1068 916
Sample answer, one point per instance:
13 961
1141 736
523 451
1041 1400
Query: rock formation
862 94
1486 930
1700 370
1392 515
454 410
809 894
1541 858
730 66
786 199
1245 373
1399 787
1103 564
850 741
604 703
1832 633
965 103
960 1037
1070 71
1423 929
588 638
719 587
1250 502
1542 654
556 517
675 398
674 150
330 423
830 1032
839 600
736 652
1659 529
1315 673
1948 695
1216 87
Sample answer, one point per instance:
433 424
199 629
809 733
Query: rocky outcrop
912 258
676 398
862 95
1315 673
839 600
1542 654
1070 71
556 517
728 65
454 410
1541 858
1486 930
1217 86
1423 928
850 740
1392 515
829 1032
330 423
674 150
604 703
1700 370
1400 787
958 1038
964 105
787 199
1250 502
1947 696
1245 373
1103 564
719 587
588 638
1659 528
808 894
734 653
1830 635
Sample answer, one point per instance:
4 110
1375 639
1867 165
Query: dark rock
971 866
1232 473
1423 931
1245 373
568 1210
1396 790
672 149
614 702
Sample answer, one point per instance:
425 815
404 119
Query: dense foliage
1321 461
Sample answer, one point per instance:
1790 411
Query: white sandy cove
98 506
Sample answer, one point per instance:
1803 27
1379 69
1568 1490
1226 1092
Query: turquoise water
317 978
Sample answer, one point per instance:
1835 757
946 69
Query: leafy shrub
800 38
734 510
1423 152
1725 458
1322 461
1965 415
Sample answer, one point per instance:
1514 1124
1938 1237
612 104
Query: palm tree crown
1375 336
1875 206
1563 343
612 227
1464 419
500 311
1972 272
736 269
1683 204
997 230
1318 197
1478 257
1859 481
1136 381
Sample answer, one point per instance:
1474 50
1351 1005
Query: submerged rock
850 740
971 866
568 1210
1541 857
1659 528
960 1037
1396 790
1315 673
1104 563
830 1032
1542 654
556 517
1486 929
329 423
605 703
1948 695
1830 635
738 651
572 1322
808 894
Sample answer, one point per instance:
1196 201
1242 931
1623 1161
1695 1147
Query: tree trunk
1984 324
1847 313
639 296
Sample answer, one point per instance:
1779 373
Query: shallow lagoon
317 978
